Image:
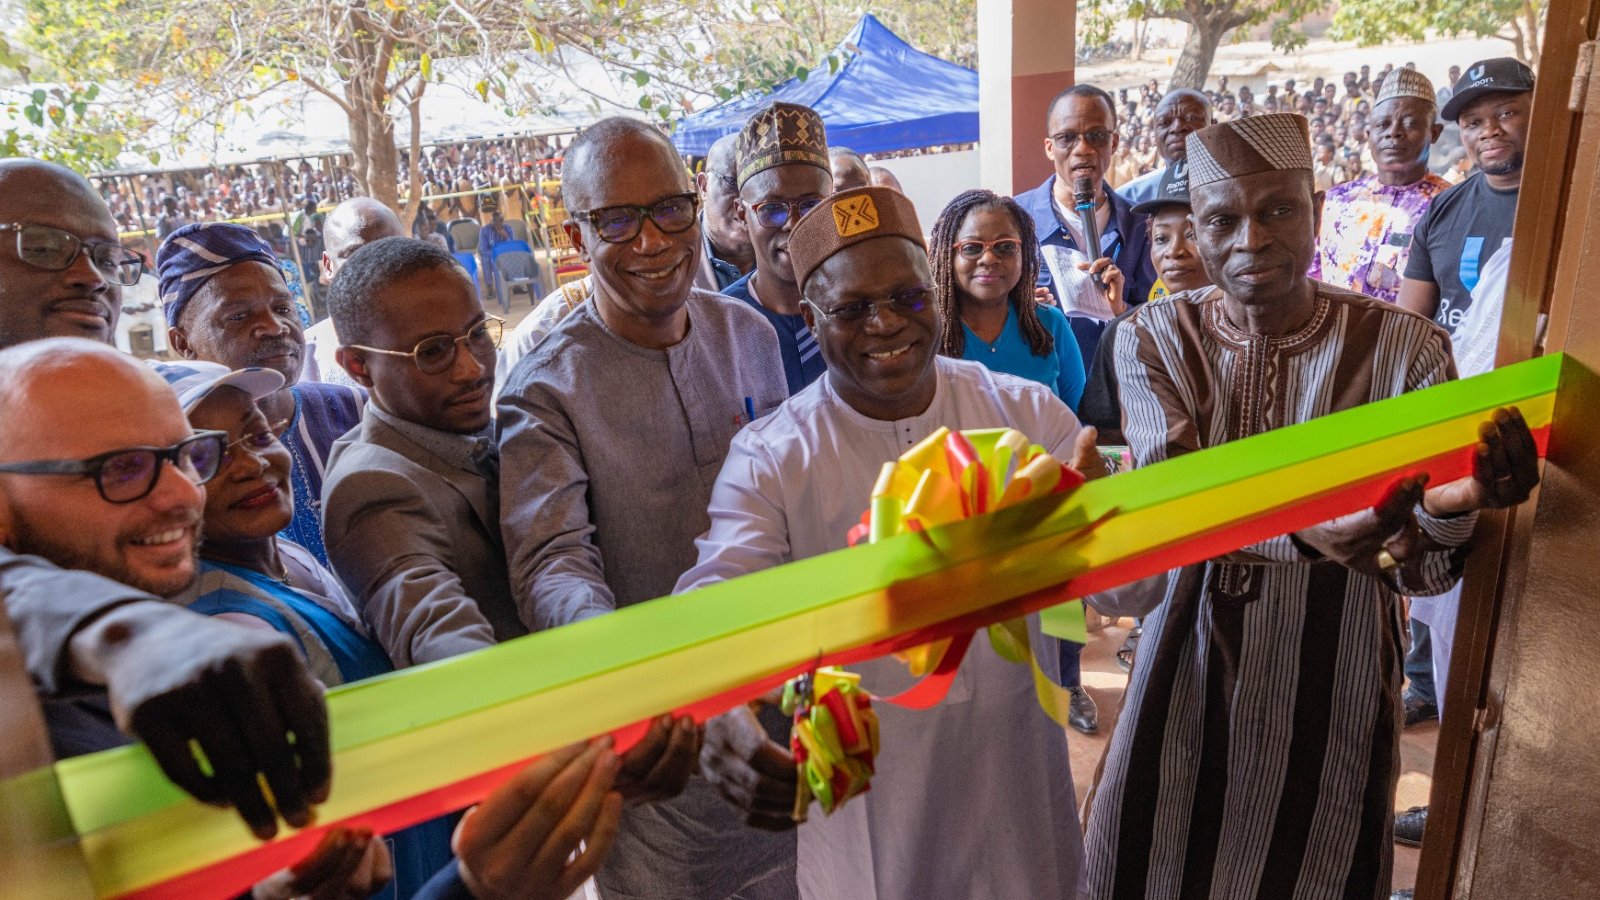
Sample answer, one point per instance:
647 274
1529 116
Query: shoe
1403 894
1082 714
1409 826
1418 709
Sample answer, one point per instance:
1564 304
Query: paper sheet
1080 293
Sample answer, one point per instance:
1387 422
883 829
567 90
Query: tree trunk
383 160
413 204
1194 63
1141 29
1530 16
1518 44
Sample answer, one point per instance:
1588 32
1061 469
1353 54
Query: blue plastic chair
469 261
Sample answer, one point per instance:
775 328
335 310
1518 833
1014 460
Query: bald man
69 281
728 253
849 169
611 433
1180 112
134 521
352 225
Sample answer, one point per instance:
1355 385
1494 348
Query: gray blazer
416 541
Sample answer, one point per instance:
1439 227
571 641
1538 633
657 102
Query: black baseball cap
1174 188
1501 75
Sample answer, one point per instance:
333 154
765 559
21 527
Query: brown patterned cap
1276 142
779 134
847 218
1406 83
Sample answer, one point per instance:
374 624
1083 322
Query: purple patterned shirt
1366 233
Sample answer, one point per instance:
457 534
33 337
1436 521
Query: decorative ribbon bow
835 738
955 475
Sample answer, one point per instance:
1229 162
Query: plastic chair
517 271
470 263
519 229
512 246
464 231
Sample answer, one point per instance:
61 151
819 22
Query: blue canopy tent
887 96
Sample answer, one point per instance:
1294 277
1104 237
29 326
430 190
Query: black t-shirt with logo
1463 228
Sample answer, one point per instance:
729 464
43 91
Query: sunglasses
438 353
621 224
123 476
1005 248
54 250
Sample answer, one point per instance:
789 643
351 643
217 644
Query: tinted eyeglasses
255 443
53 250
1005 248
123 476
438 353
621 224
1066 140
778 213
906 302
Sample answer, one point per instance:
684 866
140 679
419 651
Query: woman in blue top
251 575
984 269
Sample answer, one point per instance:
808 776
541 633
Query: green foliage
1372 22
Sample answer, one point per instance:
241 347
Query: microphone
1083 203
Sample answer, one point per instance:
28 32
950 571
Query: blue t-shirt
802 358
1061 369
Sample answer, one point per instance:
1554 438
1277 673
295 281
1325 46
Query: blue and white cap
194 380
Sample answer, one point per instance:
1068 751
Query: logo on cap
1477 73
854 216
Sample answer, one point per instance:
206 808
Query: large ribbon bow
955 475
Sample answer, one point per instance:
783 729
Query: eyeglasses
621 224
438 353
906 302
1066 140
54 250
255 443
1005 248
123 476
778 213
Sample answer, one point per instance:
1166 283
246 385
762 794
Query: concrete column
1026 50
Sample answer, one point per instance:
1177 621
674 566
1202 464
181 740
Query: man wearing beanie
1257 750
972 798
226 302
782 165
1367 223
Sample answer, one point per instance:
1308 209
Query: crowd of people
1339 116
165 202
192 550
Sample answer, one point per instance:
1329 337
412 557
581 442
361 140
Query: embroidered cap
847 218
1406 83
1489 76
1276 142
781 133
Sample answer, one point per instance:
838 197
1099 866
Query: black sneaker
1409 826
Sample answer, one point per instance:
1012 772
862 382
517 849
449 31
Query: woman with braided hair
984 268
985 263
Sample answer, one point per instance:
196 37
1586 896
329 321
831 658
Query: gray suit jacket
416 541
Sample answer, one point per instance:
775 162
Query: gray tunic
608 452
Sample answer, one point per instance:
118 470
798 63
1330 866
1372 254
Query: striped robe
1258 745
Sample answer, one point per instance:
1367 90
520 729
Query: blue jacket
1126 241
